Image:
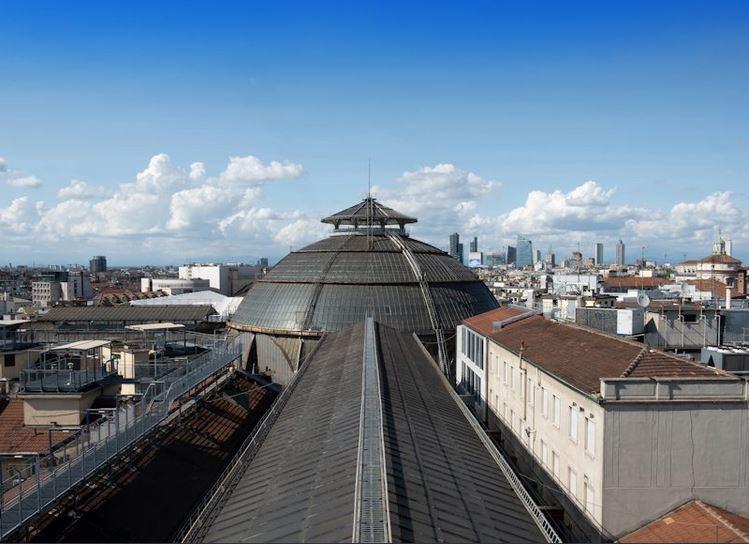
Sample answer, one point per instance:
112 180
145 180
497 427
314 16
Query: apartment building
614 432
472 348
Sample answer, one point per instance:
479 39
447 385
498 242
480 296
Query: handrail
530 505
154 407
428 301
196 525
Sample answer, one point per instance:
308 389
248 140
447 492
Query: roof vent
496 325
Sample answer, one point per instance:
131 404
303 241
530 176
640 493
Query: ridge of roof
713 511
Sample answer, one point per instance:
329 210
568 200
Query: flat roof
147 314
10 322
155 326
82 345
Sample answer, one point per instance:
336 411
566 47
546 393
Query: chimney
728 297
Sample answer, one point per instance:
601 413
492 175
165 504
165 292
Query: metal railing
198 523
547 529
26 498
428 302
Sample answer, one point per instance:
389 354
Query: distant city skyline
226 134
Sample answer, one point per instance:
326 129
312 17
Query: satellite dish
643 300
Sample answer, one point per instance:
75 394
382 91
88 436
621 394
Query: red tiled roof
694 521
484 323
582 356
714 259
711 285
16 437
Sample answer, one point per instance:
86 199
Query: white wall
516 398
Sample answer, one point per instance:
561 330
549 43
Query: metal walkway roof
443 480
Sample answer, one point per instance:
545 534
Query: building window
507 373
504 411
573 424
544 453
531 392
590 437
590 498
555 463
513 379
572 481
545 408
512 419
9 360
557 411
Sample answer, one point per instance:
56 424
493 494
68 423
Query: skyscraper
454 246
97 264
525 252
599 253
474 247
459 256
512 255
620 258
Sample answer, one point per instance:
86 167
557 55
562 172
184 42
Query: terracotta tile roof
582 356
484 323
711 285
17 437
694 521
634 282
713 259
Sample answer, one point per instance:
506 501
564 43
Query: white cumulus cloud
251 169
82 190
197 171
24 181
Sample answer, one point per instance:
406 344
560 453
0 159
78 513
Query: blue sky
527 101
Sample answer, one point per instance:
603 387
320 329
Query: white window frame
544 453
545 407
572 481
574 424
590 437
590 498
556 411
555 463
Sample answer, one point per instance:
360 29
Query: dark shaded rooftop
128 313
443 484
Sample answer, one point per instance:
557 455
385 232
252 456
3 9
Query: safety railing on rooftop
23 499
198 523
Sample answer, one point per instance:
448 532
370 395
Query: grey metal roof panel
300 485
443 483
369 210
128 313
400 306
276 305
